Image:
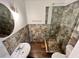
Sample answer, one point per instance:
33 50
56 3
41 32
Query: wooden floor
38 50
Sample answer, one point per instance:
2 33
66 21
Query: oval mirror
6 21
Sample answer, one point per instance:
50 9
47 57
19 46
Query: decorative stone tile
64 20
38 32
19 37
52 46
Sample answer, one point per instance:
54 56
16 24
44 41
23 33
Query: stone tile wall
64 20
20 37
38 32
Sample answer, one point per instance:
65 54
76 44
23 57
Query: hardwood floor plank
38 50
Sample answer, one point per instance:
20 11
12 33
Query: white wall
6 2
20 20
69 1
35 9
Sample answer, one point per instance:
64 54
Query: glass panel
63 22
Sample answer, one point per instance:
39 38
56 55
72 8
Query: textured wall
19 37
64 20
38 32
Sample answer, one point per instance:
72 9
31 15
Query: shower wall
64 21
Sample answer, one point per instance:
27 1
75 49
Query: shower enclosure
64 20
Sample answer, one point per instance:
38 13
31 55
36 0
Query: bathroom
33 22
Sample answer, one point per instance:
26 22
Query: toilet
22 51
